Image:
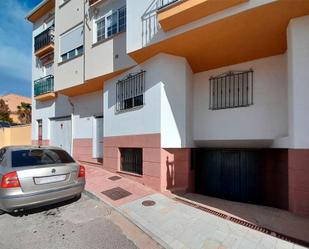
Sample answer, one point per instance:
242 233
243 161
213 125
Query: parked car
32 176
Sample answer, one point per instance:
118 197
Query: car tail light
10 180
82 171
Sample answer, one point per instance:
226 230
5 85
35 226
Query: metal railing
164 3
130 91
231 90
44 85
43 39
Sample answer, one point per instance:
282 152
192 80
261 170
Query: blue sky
15 46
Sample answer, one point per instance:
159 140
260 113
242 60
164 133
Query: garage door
61 133
229 174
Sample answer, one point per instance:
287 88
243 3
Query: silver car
32 176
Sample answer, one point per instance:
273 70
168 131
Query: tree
5 112
24 113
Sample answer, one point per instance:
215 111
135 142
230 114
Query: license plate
49 179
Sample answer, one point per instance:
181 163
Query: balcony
44 42
175 13
44 88
161 4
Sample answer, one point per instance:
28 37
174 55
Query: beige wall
98 59
18 135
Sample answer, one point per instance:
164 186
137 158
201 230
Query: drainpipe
72 124
84 42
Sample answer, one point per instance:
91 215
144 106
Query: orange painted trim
41 11
91 85
189 11
45 97
253 34
45 50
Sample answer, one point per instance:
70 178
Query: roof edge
30 16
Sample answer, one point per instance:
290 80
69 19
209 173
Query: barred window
130 91
132 160
231 90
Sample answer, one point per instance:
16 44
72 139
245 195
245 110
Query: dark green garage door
229 174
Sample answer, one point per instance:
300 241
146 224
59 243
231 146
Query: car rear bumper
32 200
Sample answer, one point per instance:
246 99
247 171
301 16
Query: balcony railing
92 2
164 3
44 39
44 85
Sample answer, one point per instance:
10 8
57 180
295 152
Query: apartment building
207 96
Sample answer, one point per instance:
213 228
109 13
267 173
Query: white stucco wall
165 103
143 28
85 108
298 75
143 120
266 119
175 102
46 110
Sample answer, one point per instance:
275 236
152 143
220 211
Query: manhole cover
114 178
148 203
116 193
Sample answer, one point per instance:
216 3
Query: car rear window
23 158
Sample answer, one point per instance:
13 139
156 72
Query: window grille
231 90
130 91
132 160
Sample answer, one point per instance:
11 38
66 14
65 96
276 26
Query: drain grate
246 224
148 203
114 178
116 193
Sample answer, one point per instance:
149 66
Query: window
2 153
71 43
111 24
132 160
122 19
231 90
23 158
130 91
101 29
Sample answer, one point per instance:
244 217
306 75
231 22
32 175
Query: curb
136 223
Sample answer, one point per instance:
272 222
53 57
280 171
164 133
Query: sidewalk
171 223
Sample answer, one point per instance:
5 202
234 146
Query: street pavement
84 224
172 223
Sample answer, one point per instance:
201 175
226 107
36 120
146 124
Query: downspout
72 125
84 42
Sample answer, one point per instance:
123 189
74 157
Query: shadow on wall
150 24
179 176
170 174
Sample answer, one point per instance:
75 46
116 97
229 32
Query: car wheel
77 197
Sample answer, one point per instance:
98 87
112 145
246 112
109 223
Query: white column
298 82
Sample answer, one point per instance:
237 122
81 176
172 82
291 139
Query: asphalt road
83 224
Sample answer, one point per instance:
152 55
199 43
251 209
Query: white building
205 96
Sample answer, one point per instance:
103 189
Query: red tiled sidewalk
97 181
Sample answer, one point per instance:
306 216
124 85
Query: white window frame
105 16
75 49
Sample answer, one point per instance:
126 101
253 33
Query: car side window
2 153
